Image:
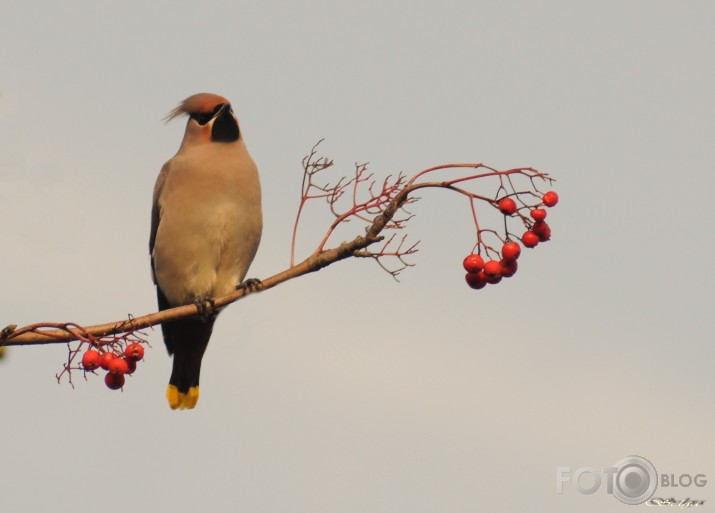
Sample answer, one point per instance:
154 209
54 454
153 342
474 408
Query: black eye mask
201 119
204 117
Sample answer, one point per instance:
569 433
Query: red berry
114 381
91 360
511 251
538 214
118 366
476 280
493 279
551 199
132 366
492 268
529 239
134 352
542 230
507 206
473 263
106 359
508 267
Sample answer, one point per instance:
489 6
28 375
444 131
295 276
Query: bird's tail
187 339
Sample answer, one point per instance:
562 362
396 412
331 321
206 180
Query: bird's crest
201 103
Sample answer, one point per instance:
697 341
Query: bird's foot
206 307
250 285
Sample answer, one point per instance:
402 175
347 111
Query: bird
206 225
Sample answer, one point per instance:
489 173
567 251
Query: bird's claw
250 285
206 307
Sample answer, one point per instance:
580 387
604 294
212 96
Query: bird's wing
155 219
156 213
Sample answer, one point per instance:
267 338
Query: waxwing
206 225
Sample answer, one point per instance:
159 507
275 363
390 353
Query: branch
35 335
384 201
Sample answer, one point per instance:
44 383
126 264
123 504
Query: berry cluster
116 365
481 273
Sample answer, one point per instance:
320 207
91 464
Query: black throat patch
225 128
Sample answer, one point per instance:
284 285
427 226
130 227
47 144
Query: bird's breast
210 226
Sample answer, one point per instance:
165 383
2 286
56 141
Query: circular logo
635 480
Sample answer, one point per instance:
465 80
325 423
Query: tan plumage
206 227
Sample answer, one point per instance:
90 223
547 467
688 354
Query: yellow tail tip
182 400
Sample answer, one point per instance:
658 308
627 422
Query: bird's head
211 119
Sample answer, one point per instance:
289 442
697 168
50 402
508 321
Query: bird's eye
201 118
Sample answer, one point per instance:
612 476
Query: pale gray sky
344 391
